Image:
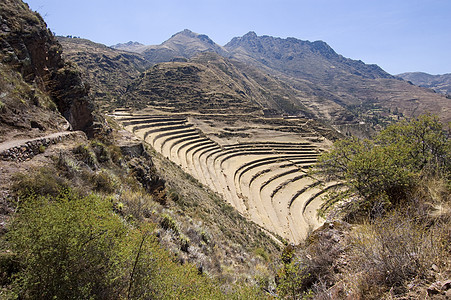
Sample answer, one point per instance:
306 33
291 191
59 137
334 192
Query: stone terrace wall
22 150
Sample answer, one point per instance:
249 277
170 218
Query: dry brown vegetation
398 244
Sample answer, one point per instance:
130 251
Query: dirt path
22 142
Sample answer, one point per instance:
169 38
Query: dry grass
394 256
138 204
397 255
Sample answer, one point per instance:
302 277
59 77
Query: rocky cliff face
28 47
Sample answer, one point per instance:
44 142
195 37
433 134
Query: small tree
291 279
380 173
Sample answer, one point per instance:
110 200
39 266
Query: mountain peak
185 32
188 35
183 44
250 34
130 43
129 46
324 49
302 59
439 83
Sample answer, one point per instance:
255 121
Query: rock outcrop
29 47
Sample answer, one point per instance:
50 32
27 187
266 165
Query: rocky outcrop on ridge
29 47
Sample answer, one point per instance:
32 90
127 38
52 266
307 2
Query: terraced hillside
261 172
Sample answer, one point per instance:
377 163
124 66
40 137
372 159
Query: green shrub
105 181
174 195
9 265
85 154
74 248
101 151
290 281
43 181
380 174
168 223
137 204
68 165
156 276
115 153
205 237
262 253
66 247
184 242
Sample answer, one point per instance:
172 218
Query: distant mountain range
184 44
439 83
282 76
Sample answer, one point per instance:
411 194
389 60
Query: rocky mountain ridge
287 55
439 83
334 88
129 46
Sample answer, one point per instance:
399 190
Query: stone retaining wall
27 149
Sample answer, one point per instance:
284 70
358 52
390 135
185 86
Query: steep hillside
259 168
439 83
25 111
188 228
35 76
209 82
107 70
366 90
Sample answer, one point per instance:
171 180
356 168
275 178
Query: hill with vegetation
396 198
107 71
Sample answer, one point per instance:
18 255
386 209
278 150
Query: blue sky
398 35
